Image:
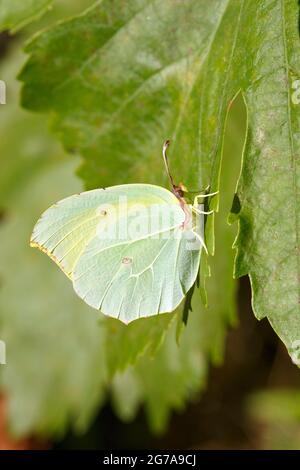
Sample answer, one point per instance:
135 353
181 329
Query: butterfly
131 250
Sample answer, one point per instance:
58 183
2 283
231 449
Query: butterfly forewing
125 248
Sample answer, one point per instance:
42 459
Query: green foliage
14 14
127 101
117 81
63 357
277 412
53 345
150 71
56 349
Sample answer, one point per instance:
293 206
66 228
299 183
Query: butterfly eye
126 260
103 213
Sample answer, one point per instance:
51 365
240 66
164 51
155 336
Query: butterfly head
179 190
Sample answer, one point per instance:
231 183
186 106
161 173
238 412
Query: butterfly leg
202 196
199 212
196 203
197 230
202 242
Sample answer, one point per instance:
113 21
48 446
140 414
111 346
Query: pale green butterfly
131 251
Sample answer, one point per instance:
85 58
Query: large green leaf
267 202
53 379
55 352
14 14
53 343
126 343
269 185
116 96
151 70
59 353
178 372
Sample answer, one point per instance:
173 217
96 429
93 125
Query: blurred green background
75 380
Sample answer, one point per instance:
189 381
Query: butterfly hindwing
137 279
124 248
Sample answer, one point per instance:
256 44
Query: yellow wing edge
51 255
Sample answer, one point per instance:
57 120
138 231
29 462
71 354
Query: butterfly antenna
165 146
